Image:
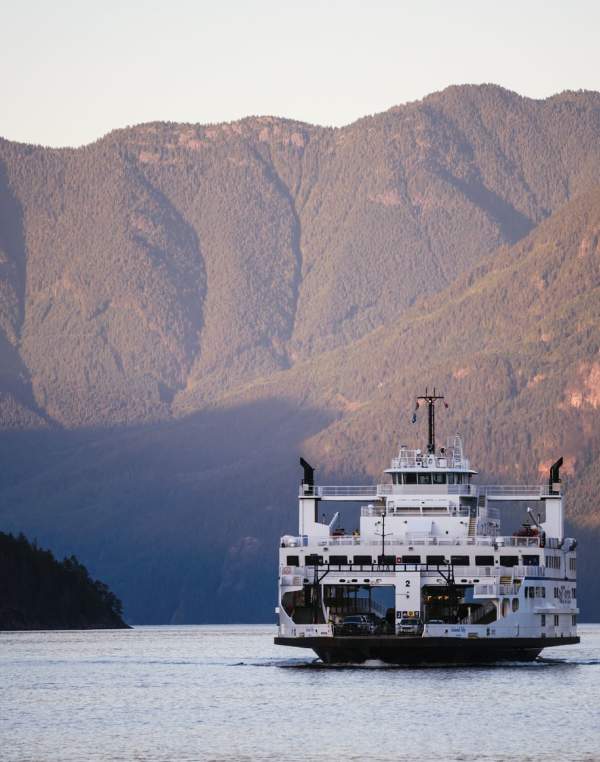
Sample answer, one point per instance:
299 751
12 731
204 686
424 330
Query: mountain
186 308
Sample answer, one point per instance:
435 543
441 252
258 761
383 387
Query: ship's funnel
309 473
554 480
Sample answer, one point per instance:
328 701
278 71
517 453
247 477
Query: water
227 693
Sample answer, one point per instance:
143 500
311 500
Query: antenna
430 399
384 534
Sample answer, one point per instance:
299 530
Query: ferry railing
460 572
385 490
426 489
491 491
505 492
315 490
518 542
529 571
412 459
378 510
498 542
495 590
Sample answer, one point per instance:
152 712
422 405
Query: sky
72 71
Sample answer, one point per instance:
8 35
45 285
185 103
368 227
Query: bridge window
338 560
313 560
484 560
509 560
410 478
424 478
436 560
363 560
411 559
293 560
459 560
531 560
439 478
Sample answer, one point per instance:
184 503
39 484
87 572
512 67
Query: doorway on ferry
370 606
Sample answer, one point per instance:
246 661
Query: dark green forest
37 592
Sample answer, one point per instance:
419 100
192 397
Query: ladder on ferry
472 526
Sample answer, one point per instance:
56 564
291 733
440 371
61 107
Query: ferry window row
430 478
572 564
339 560
553 562
535 592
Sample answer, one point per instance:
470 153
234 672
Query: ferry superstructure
427 576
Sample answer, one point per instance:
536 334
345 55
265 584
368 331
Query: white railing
417 510
495 590
529 571
385 490
515 572
426 489
478 571
346 539
307 490
491 512
492 492
289 541
521 490
374 510
517 542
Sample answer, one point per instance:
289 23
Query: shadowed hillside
37 592
186 308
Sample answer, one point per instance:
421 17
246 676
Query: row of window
507 561
430 478
572 564
556 620
333 560
535 592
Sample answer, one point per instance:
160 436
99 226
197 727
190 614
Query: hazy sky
72 71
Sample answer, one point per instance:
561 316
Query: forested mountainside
37 592
186 308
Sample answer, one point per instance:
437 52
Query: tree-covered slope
151 271
37 592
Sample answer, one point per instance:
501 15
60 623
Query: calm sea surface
227 693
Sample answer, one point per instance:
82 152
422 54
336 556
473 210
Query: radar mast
430 400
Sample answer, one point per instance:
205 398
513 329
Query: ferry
426 575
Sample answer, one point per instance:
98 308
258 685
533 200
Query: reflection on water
227 693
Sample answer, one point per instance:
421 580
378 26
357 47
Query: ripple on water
155 694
